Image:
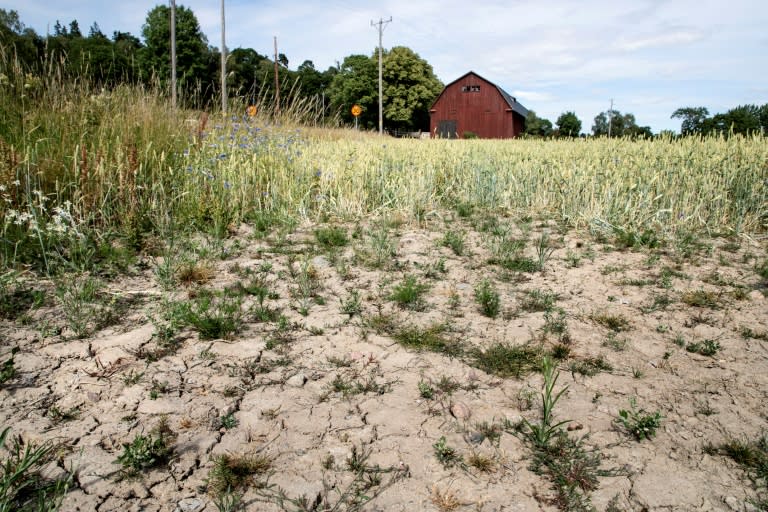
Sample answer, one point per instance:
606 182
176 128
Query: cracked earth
327 384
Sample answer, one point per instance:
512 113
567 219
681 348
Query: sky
649 56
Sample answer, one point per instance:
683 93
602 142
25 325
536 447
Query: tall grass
84 169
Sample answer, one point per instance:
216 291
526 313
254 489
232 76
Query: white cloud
665 39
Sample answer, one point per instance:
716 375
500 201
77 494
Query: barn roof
511 101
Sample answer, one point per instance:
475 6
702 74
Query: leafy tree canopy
694 119
410 88
568 125
620 125
537 126
192 54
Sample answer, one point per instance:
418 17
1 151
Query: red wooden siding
473 104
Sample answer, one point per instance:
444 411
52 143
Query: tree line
410 84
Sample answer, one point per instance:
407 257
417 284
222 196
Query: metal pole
223 62
277 83
610 119
173 53
381 24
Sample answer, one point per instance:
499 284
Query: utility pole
610 119
381 24
277 83
173 53
223 63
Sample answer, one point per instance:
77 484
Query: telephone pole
223 63
277 83
173 53
381 24
610 119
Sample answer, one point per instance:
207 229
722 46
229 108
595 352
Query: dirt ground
348 417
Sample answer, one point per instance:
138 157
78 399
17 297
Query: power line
381 24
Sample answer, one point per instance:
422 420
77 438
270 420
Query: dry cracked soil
355 398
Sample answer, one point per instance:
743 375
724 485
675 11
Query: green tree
311 80
694 120
743 120
13 34
410 88
537 126
568 125
244 73
621 125
355 84
192 53
74 29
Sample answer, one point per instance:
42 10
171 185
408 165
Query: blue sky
649 56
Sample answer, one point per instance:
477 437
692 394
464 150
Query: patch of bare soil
360 375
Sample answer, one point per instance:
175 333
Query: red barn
473 105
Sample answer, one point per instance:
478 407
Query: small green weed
143 453
85 309
57 415
638 422
542 433
615 343
22 484
332 237
232 473
747 332
351 305
454 240
707 347
409 294
426 391
381 251
614 322
543 250
8 368
488 299
446 455
228 421
753 457
132 378
590 366
538 300
555 323
701 299
634 239
506 360
214 315
481 462
431 338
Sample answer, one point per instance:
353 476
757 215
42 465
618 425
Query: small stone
189 505
575 426
297 380
321 262
756 295
460 411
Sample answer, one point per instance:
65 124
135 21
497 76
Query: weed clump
507 360
488 299
638 422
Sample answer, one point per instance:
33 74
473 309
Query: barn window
470 88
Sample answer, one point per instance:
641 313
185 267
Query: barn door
446 129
